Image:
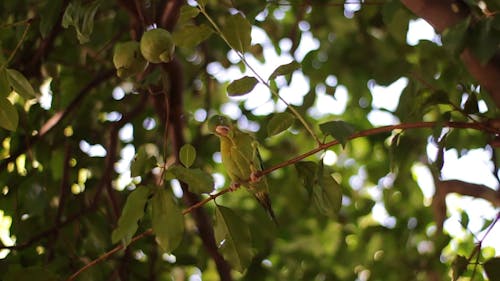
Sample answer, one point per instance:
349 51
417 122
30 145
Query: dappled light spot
418 30
96 150
126 133
149 123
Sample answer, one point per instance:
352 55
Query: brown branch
469 189
384 129
135 21
142 235
446 13
170 14
109 254
446 187
196 206
33 65
203 221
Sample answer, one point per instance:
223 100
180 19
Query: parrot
241 159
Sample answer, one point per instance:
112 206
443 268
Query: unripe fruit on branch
128 60
157 45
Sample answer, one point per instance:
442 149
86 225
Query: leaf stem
261 80
28 24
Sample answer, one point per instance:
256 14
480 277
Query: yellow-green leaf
187 155
144 160
132 212
8 115
187 13
340 130
5 88
279 122
233 239
197 180
284 69
307 172
20 84
237 31
189 36
241 86
327 194
167 220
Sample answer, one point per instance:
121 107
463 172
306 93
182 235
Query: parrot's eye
222 130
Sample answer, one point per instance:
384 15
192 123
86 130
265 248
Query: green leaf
9 117
232 236
48 16
187 13
279 122
470 105
455 37
284 69
484 40
340 130
81 18
20 84
189 36
307 171
464 220
241 86
396 18
144 160
167 220
327 194
492 268
459 265
237 32
33 273
187 155
4 84
88 22
197 180
133 211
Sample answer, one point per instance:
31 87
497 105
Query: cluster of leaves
68 204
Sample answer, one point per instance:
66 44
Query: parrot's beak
222 130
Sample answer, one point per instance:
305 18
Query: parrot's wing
241 164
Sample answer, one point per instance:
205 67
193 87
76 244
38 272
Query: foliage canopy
119 178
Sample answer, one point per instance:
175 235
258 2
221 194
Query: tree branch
446 187
196 206
446 13
203 221
476 126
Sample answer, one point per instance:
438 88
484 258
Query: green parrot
241 158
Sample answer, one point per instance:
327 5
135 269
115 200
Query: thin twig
109 254
28 24
259 78
290 162
463 125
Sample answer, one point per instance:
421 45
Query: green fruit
157 45
128 60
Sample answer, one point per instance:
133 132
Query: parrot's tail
265 202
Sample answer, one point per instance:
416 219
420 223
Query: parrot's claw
234 186
254 177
